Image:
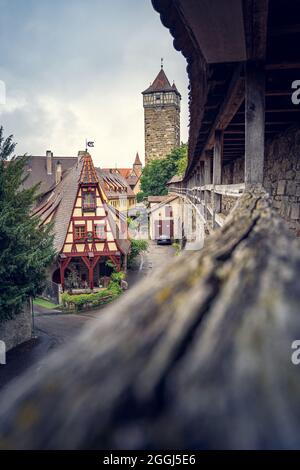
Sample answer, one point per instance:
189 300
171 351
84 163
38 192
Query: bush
85 301
177 248
118 276
137 247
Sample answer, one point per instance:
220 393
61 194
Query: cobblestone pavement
148 262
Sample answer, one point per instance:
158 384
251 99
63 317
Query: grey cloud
80 67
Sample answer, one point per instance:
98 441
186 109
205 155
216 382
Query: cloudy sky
75 69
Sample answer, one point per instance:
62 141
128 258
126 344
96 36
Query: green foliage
118 276
111 265
73 280
137 247
140 196
177 248
25 248
85 301
45 303
156 174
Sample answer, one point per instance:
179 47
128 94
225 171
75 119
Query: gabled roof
113 184
124 172
168 198
175 179
157 199
36 170
88 172
161 83
59 203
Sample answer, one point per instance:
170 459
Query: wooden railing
206 340
202 198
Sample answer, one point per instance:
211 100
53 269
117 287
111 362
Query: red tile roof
88 172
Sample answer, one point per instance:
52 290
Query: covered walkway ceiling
269 33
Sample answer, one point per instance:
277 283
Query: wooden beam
232 102
256 21
285 29
254 123
207 180
217 171
283 66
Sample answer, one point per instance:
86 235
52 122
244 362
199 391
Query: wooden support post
254 123
62 267
201 181
62 276
91 277
217 171
207 180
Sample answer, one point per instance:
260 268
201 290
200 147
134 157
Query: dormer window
89 201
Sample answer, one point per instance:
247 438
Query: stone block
281 187
291 188
295 211
290 174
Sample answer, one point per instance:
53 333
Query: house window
79 231
99 231
89 202
168 211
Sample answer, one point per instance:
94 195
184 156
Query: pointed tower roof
161 83
175 88
137 160
88 173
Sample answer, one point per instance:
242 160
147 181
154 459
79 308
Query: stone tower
162 117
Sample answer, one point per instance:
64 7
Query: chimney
49 156
58 173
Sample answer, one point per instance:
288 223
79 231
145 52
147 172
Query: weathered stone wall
18 329
233 173
281 180
162 131
282 176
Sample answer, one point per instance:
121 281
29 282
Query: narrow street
53 330
148 262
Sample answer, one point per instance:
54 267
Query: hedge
85 301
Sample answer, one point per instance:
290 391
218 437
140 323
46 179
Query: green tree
159 171
140 196
136 247
25 248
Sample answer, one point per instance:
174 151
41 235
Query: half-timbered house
86 232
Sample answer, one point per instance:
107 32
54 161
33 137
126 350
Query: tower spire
162 63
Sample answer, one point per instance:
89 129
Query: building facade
86 233
161 102
131 175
